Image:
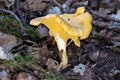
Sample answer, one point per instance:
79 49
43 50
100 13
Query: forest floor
29 53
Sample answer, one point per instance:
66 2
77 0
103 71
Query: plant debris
31 53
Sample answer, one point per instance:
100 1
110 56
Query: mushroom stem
64 60
62 47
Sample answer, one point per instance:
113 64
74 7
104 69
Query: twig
59 5
17 5
26 9
16 17
106 17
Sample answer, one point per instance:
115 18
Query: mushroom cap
75 26
80 10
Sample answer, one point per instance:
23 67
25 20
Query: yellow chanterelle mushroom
62 27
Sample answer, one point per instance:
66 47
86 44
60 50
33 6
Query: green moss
22 62
9 25
31 33
114 48
52 76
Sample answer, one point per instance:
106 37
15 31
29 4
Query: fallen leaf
94 55
94 4
7 41
41 54
34 5
25 76
52 65
6 3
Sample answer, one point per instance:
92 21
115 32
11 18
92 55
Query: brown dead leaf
25 76
52 65
106 33
94 4
6 3
42 54
94 55
106 11
34 5
7 41
105 3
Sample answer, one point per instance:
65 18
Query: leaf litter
100 53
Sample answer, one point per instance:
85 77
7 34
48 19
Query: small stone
4 75
5 55
54 10
79 69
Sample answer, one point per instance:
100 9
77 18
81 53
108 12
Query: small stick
59 5
17 5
